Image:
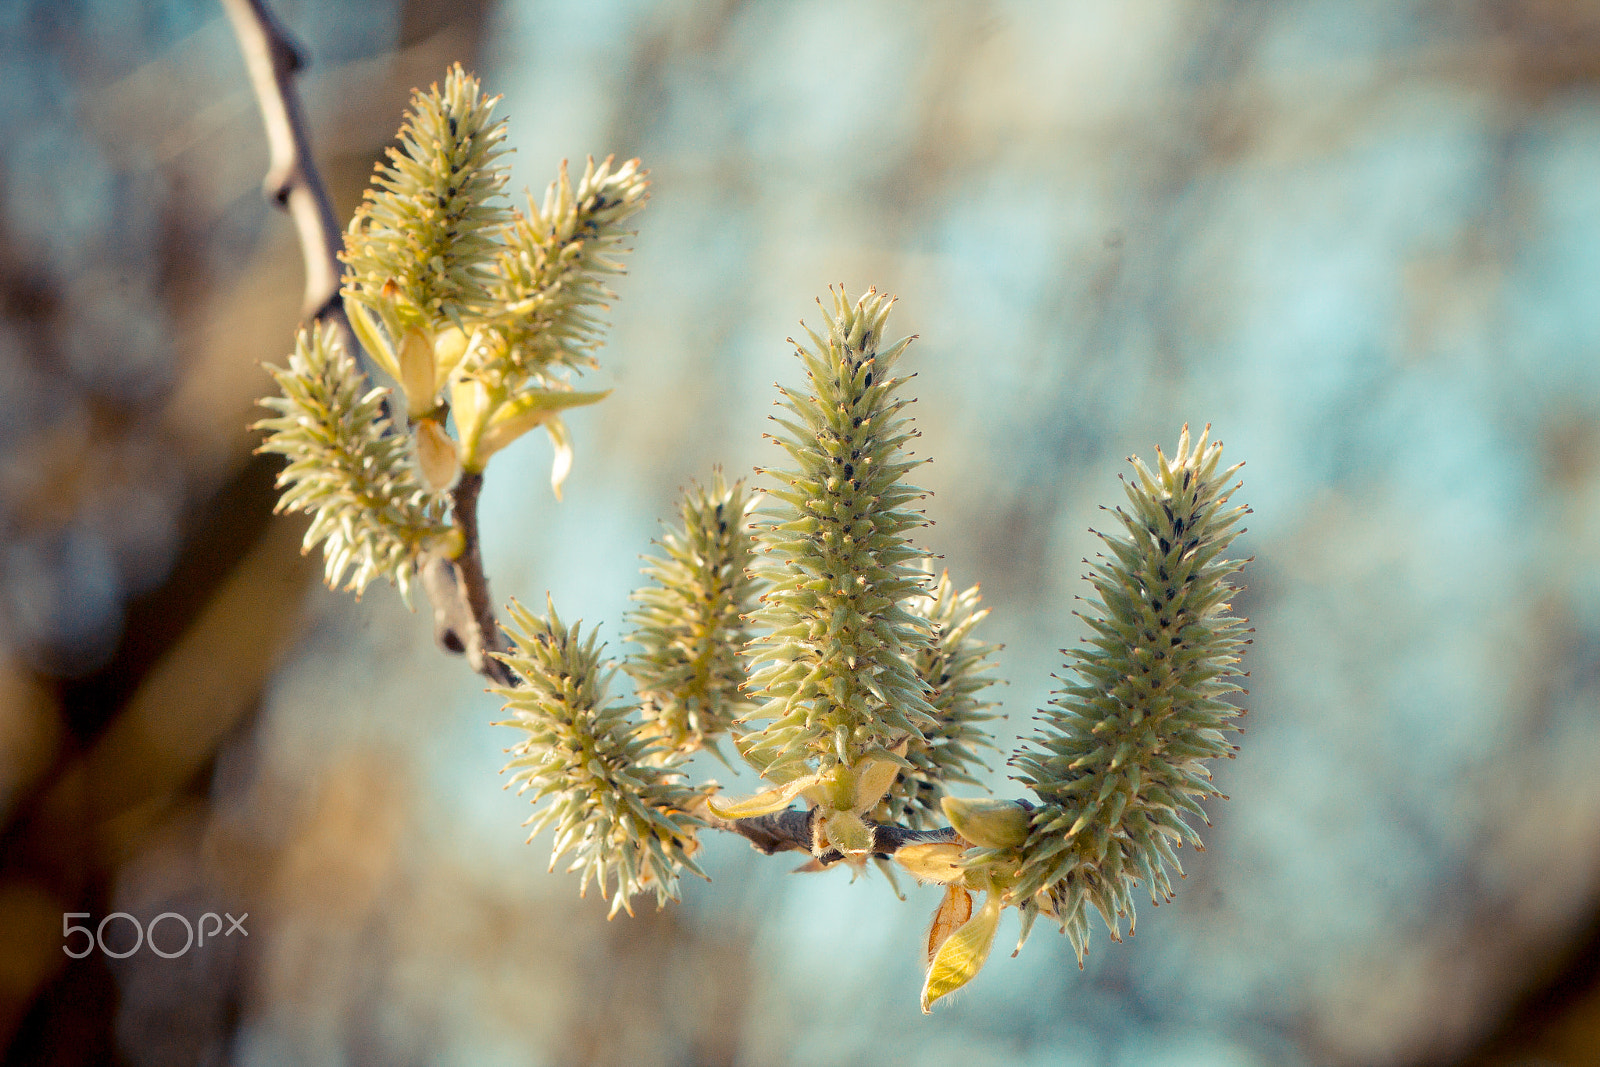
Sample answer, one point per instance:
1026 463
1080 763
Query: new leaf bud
987 823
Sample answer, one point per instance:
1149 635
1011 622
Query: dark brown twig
793 830
466 623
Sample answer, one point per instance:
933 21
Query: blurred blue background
1360 239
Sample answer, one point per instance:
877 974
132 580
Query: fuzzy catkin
426 238
690 627
625 820
834 672
955 667
348 468
549 287
1119 760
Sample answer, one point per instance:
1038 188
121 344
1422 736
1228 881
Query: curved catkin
626 821
689 671
1119 760
834 673
955 666
348 468
549 288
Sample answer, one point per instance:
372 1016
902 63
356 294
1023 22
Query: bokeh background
1359 237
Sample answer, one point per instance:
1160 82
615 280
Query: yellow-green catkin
834 674
421 247
1119 760
955 667
348 468
690 626
625 820
550 287
545 317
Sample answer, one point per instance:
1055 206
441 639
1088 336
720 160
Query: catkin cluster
477 313
812 632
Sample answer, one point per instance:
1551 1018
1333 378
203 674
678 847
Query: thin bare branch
273 59
470 627
793 830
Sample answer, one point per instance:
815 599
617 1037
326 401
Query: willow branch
463 611
458 589
793 830
292 182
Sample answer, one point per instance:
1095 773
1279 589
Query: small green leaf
874 776
952 914
372 338
450 346
932 861
416 370
987 823
436 455
529 409
846 832
962 955
766 803
561 441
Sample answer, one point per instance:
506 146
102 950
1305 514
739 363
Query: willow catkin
1119 760
834 671
690 625
625 820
